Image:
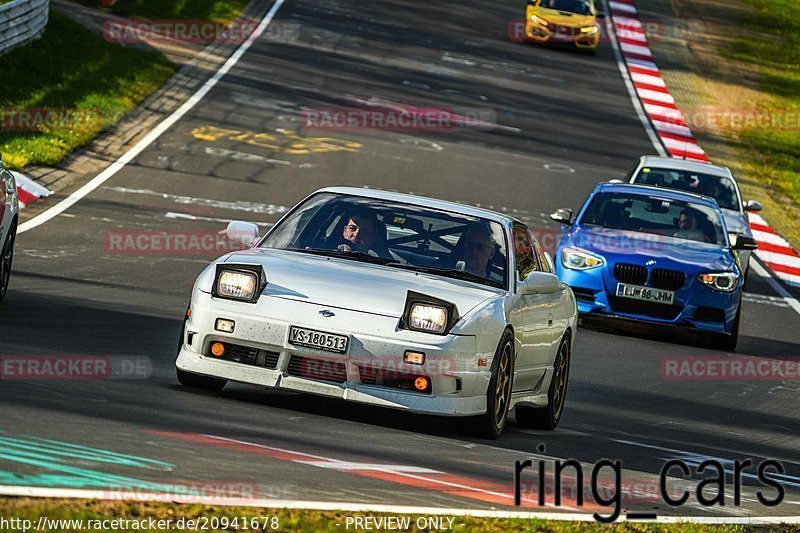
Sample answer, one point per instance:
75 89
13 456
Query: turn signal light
218 349
421 383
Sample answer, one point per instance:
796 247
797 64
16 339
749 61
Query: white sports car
391 300
9 219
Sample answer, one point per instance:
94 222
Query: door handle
550 320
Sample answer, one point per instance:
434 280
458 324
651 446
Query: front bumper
697 307
540 33
376 347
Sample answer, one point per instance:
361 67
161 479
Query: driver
686 221
479 249
360 233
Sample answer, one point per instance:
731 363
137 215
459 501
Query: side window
540 254
525 257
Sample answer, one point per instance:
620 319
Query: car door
535 330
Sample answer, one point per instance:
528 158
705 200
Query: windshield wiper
359 256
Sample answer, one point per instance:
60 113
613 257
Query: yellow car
563 21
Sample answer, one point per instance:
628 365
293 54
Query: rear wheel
491 424
6 258
548 417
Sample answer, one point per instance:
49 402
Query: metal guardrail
22 21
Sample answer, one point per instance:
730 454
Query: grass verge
67 87
773 50
216 10
293 520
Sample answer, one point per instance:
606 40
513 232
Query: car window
524 254
652 214
722 189
402 235
540 254
580 7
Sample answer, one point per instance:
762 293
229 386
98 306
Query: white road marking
157 132
250 207
776 286
765 300
186 216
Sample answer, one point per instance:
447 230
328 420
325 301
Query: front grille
634 274
247 355
584 295
669 280
650 309
709 314
317 369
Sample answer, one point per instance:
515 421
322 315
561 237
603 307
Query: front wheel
548 417
6 258
498 396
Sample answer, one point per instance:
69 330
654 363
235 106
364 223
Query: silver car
710 180
9 219
392 300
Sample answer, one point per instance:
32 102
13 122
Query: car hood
637 248
563 18
349 284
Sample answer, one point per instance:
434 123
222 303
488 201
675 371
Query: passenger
479 249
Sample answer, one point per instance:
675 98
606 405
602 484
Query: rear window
719 188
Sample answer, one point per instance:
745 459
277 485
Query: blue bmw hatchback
648 254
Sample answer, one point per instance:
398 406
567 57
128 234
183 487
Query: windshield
396 234
720 188
580 7
650 214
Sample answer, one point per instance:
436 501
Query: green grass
308 521
217 10
72 68
776 54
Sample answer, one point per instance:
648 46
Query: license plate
320 340
645 294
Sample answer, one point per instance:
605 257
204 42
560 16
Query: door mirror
243 232
752 205
562 215
743 242
539 283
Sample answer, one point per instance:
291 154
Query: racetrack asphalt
564 122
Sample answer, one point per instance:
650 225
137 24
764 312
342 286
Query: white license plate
320 340
645 294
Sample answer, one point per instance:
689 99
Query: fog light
225 325
414 358
421 383
218 349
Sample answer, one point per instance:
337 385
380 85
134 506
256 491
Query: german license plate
329 342
645 294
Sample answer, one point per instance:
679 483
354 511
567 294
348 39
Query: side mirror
549 259
743 242
562 215
243 232
539 283
752 205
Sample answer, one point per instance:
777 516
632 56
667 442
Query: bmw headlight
578 259
536 19
590 30
428 314
239 282
720 281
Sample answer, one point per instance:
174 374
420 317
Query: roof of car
423 201
661 192
686 164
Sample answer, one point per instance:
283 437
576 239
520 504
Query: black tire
490 425
547 418
197 381
727 342
6 259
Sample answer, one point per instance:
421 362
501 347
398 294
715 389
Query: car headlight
720 281
578 259
239 282
536 19
590 30
425 317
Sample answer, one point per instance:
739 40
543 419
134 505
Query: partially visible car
9 219
564 21
715 181
407 324
654 255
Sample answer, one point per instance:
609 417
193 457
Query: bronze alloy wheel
560 376
503 386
